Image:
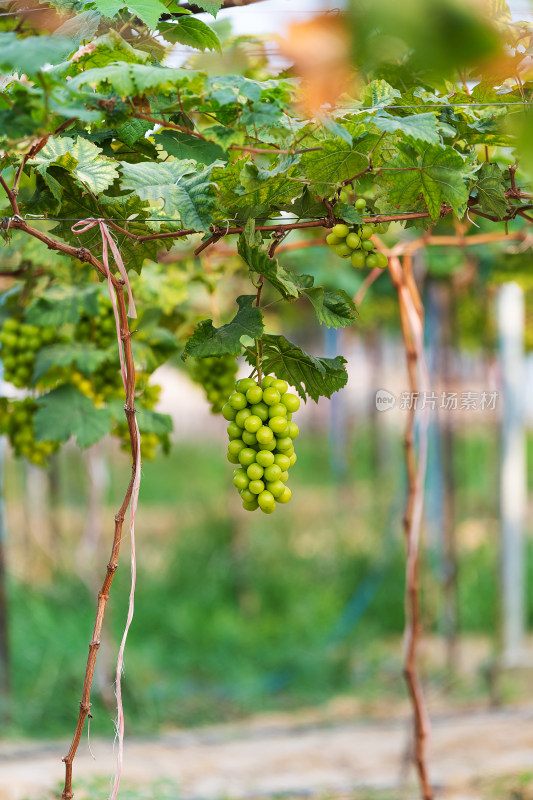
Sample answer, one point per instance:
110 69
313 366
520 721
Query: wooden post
513 472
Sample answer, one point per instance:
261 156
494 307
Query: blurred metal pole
337 422
513 494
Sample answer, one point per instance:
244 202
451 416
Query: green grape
371 261
263 452
18 424
344 197
343 250
353 241
333 240
340 230
367 245
382 260
285 497
360 204
357 259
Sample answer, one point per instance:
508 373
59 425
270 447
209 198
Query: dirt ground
295 755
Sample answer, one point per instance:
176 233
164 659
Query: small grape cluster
20 344
149 441
261 434
217 375
19 428
355 242
105 383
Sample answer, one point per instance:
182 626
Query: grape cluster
261 434
216 375
104 383
19 428
20 344
355 242
149 441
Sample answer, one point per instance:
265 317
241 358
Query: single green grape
340 230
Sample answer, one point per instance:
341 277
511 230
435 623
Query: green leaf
490 190
438 174
418 126
133 130
62 304
313 377
183 146
82 158
259 262
348 214
334 309
31 54
211 6
379 93
66 412
109 7
194 33
209 341
154 422
82 25
337 162
133 80
83 354
174 185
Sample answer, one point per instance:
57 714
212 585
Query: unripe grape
265 458
252 423
249 438
242 416
240 479
344 196
353 241
285 497
368 245
293 458
264 435
250 506
254 395
228 412
260 410
284 476
371 261
282 461
272 473
256 487
340 230
276 487
291 402
357 259
232 458
281 386
266 498
333 240
279 425
235 446
360 204
271 396
382 260
343 250
268 380
234 432
285 443
277 410
255 471
243 384
366 231
248 496
237 400
293 430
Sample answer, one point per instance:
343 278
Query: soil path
270 756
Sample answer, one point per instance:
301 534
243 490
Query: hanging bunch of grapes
217 376
355 242
20 344
261 434
17 425
149 397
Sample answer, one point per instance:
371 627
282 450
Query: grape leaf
348 214
438 174
183 146
192 32
490 190
259 262
337 162
177 186
133 130
147 10
311 376
209 341
132 80
63 304
211 6
82 25
418 126
31 54
334 309
379 93
83 354
66 412
80 157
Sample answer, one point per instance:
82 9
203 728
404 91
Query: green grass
238 613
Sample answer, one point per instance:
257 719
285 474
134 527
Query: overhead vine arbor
110 159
